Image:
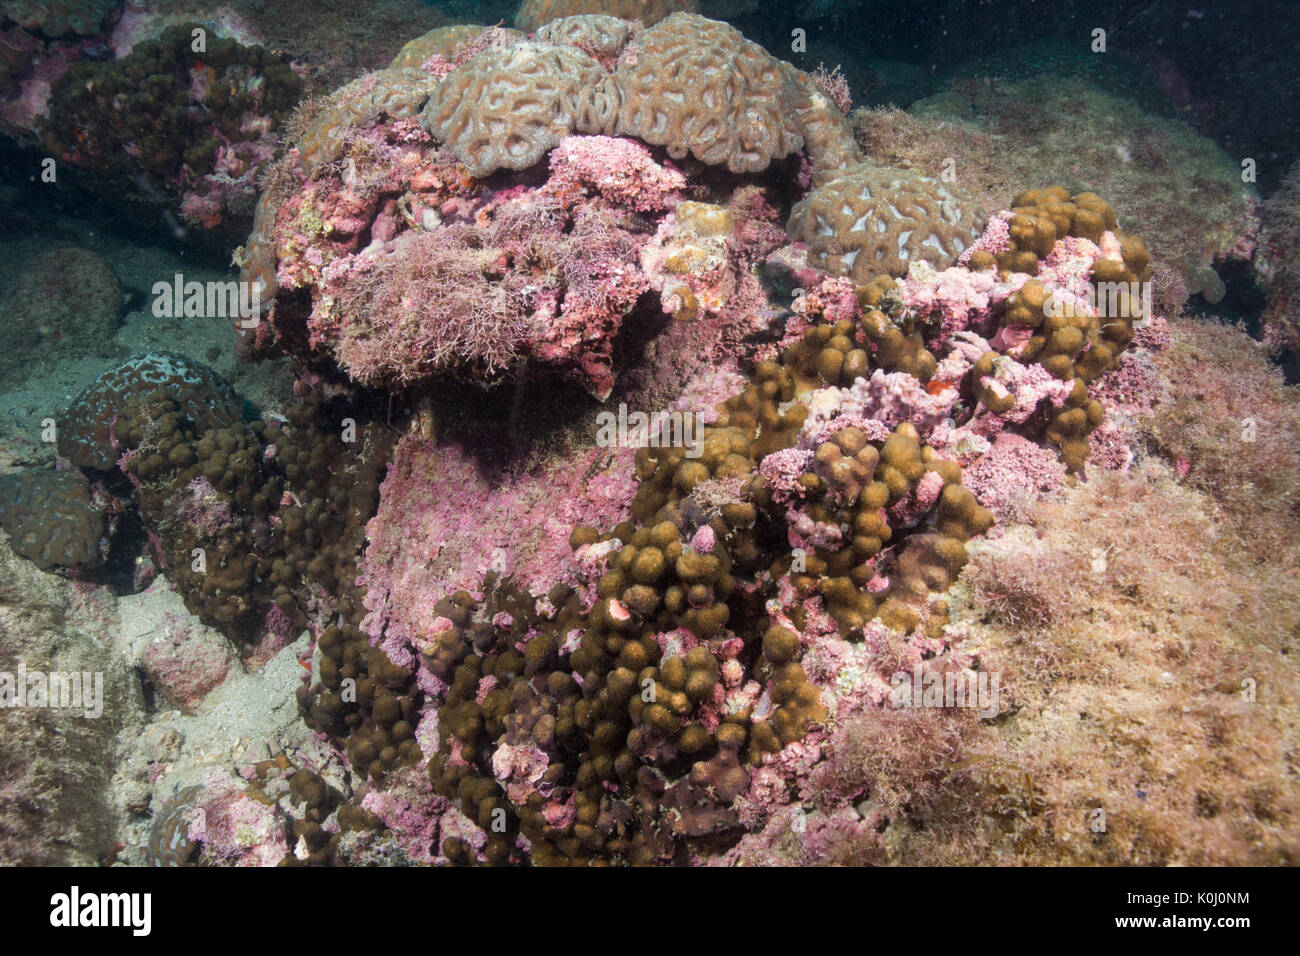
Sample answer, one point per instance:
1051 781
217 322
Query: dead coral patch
1154 703
1233 428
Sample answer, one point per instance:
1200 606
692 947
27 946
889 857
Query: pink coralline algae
439 66
238 830
446 520
888 398
20 112
1028 386
1013 466
229 189
278 632
1130 393
519 768
186 662
781 471
701 259
203 509
620 170
951 300
829 301
836 87
960 311
910 510
954 298
453 277
995 238
418 818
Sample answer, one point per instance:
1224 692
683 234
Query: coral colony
656 473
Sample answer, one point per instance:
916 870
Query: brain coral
689 84
441 41
394 93
600 36
534 13
827 133
169 842
50 519
57 17
697 85
88 432
507 107
880 219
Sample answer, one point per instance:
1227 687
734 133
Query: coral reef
992 136
669 477
196 125
657 688
536 13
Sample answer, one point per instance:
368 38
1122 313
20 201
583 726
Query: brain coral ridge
697 87
692 85
508 107
535 13
879 219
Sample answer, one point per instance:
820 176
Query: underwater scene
649 433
